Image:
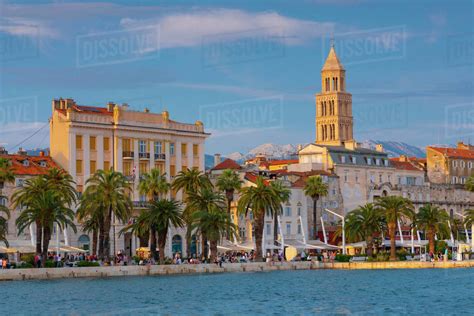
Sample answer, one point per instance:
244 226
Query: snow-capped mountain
395 149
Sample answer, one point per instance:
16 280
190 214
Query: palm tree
6 175
158 217
4 224
62 182
284 195
189 181
204 200
258 199
470 184
154 185
107 194
214 224
315 188
229 182
362 223
433 220
47 208
394 208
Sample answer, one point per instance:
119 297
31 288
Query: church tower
334 121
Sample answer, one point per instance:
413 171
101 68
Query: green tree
46 208
284 195
214 224
363 223
107 193
154 185
6 175
433 220
470 184
258 199
394 208
159 216
315 188
229 182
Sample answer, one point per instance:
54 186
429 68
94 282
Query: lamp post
343 229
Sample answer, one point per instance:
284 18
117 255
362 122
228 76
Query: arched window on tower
336 84
342 83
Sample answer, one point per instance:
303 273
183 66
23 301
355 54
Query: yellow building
450 165
87 138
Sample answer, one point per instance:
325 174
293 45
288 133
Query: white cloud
190 29
18 26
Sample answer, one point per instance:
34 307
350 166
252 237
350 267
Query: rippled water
364 292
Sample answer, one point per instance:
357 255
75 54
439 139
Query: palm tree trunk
370 245
275 229
189 241
315 219
431 240
106 242
393 246
259 223
204 246
102 233
213 250
162 245
153 244
39 236
94 241
46 239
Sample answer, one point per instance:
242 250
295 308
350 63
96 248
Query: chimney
22 152
217 159
41 153
3 151
70 103
379 148
110 106
147 110
403 158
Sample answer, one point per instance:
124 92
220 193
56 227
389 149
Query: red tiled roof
34 168
227 164
455 152
252 177
283 161
403 165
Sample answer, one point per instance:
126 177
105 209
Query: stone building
450 165
87 138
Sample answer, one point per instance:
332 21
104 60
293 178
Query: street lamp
343 229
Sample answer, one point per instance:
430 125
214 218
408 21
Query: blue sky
248 69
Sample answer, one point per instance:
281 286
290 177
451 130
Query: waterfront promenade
156 270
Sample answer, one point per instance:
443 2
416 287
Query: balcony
144 155
128 154
140 204
160 156
130 178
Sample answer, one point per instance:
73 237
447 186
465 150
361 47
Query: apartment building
450 165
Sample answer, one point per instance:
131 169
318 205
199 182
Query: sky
248 69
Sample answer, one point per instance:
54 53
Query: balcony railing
128 154
144 155
160 156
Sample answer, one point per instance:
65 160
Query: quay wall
157 270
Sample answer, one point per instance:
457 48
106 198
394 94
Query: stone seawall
102 272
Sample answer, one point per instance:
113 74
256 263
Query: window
299 229
126 144
78 141
106 165
389 178
369 160
196 150
354 160
3 201
42 164
143 167
462 163
343 159
106 143
172 170
299 211
357 178
26 163
380 178
19 182
158 148
79 166
127 168
469 164
2 184
346 176
385 161
455 180
288 211
455 163
269 229
93 166
377 161
184 149
92 143
142 146
172 153
288 228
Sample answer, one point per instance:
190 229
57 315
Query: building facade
87 138
450 165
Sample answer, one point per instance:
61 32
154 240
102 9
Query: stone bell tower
334 121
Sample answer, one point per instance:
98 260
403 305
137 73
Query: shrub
24 265
343 258
29 258
380 257
49 264
82 264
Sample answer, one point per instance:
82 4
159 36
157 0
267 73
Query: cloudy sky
249 70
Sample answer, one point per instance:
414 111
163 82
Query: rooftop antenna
331 40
